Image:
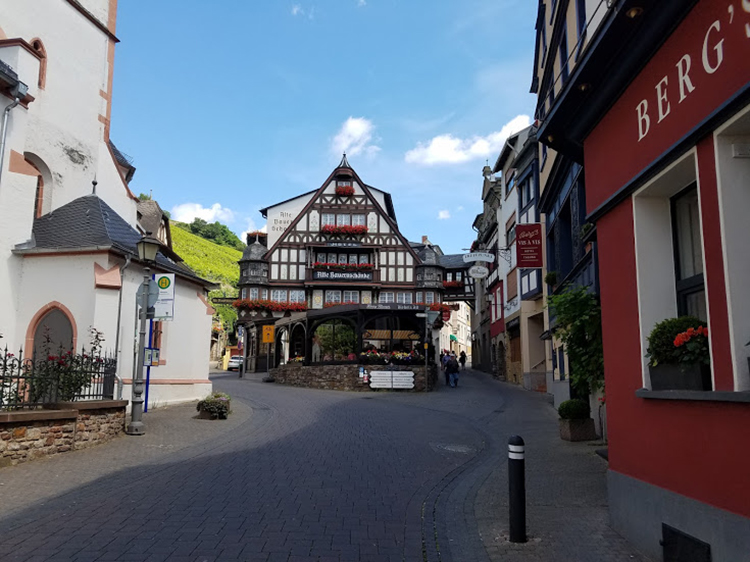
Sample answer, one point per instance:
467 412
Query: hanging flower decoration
343 266
344 190
452 284
350 230
263 305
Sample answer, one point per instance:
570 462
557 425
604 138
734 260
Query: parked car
234 363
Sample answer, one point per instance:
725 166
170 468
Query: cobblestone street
302 475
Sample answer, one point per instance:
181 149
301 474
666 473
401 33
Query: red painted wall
613 152
697 449
498 327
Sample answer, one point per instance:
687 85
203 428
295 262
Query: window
691 291
364 258
332 258
322 257
404 298
329 219
358 220
429 297
385 297
510 184
297 295
333 296
353 259
39 198
278 295
544 155
343 220
561 362
419 296
458 276
264 294
244 293
254 293
343 184
449 276
38 46
351 296
510 235
343 259
581 13
564 56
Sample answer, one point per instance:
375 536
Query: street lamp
148 247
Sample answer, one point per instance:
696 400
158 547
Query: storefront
668 186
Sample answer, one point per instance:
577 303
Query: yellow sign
267 334
426 346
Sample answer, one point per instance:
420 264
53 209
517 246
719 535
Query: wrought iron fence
27 383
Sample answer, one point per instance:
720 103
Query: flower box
343 266
453 284
680 376
216 406
344 191
264 306
345 229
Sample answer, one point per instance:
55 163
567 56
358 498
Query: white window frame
429 297
328 219
297 296
419 297
279 295
359 220
404 298
351 296
253 293
386 297
244 293
343 220
333 296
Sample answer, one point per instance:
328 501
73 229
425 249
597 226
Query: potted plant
551 278
215 406
679 356
344 190
576 423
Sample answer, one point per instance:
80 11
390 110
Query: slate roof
454 261
151 216
88 222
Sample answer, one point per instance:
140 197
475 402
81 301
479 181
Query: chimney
424 240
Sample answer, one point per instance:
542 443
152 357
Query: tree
215 232
144 197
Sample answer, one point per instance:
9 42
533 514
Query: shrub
216 404
551 278
574 410
661 346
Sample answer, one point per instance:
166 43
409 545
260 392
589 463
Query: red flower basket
344 190
453 284
348 230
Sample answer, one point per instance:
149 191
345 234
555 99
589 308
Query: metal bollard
517 489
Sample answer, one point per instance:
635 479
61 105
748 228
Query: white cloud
444 214
298 10
252 227
355 137
460 208
447 149
186 212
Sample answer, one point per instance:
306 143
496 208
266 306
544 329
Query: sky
228 107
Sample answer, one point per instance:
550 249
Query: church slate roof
88 222
454 261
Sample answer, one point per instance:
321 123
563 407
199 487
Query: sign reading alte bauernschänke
529 246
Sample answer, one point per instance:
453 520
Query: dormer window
343 183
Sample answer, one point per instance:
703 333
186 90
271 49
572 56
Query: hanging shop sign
319 275
478 272
529 246
479 256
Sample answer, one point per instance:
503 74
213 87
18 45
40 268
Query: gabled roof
89 223
151 217
389 214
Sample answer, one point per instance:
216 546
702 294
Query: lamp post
147 250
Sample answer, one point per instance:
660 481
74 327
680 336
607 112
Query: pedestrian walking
442 356
451 369
444 365
462 360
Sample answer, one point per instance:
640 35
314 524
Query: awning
386 335
453 338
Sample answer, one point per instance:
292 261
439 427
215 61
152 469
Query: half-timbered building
338 275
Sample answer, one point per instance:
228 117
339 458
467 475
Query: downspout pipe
4 133
123 267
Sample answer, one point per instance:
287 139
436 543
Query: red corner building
657 110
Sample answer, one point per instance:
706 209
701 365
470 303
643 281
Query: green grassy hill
213 262
210 261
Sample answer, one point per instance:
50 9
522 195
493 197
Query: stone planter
680 376
577 430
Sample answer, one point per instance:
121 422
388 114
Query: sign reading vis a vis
342 275
478 272
529 246
479 256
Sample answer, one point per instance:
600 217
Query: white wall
281 216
